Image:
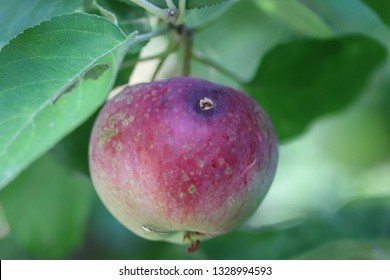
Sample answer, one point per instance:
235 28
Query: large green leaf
129 19
47 207
52 77
15 16
382 8
301 80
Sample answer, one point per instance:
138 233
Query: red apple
183 159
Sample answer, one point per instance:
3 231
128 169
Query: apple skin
182 158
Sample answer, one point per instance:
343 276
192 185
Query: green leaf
129 19
382 8
302 80
47 207
296 16
208 15
45 85
15 16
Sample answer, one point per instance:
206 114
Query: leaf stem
171 5
152 57
182 12
207 61
147 36
153 9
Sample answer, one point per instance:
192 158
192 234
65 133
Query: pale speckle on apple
228 170
192 188
185 177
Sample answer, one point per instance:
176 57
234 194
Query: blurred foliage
350 250
46 208
380 7
319 68
296 16
337 71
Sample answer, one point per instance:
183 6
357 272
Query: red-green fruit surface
182 158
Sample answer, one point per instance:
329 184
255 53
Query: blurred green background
321 71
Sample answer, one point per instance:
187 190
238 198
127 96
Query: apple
183 159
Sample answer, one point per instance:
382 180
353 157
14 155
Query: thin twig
171 5
152 57
157 11
182 12
147 36
186 42
207 61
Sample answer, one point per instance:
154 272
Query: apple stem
194 244
186 39
185 34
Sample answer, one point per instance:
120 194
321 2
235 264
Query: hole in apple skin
206 104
